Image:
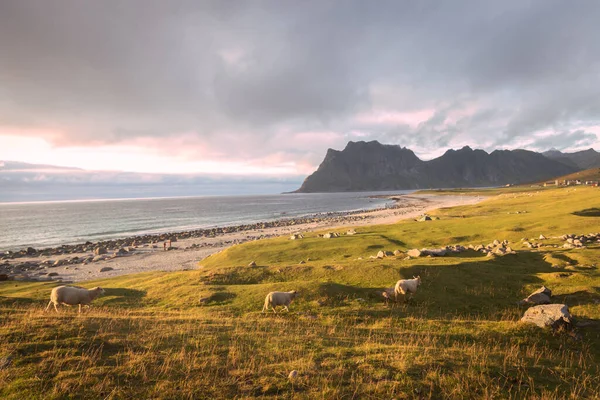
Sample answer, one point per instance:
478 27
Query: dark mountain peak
375 166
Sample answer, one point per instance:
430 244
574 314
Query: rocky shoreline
34 264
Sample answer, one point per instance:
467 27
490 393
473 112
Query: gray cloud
245 79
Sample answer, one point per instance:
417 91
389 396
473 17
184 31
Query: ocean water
50 224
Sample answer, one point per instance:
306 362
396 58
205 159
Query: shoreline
144 253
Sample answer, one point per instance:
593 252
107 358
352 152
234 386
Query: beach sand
148 257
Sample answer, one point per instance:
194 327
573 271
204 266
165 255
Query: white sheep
407 287
275 299
71 295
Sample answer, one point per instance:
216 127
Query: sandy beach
186 254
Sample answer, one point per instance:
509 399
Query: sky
263 88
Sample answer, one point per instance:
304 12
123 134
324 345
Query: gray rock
351 232
380 254
52 274
106 269
424 218
100 250
435 252
540 296
553 315
397 253
252 264
414 253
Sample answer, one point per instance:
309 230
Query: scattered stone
540 296
3 277
380 254
296 236
98 258
351 232
553 315
100 250
106 269
52 274
542 237
414 253
330 235
293 374
435 252
424 218
252 264
397 253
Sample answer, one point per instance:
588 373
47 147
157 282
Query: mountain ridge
372 166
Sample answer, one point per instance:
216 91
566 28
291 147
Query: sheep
407 286
387 294
275 299
71 295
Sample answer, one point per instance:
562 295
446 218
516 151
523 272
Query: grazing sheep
407 286
275 299
71 295
387 294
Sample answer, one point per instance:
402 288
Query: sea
54 223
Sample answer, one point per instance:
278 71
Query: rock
98 258
380 254
330 235
540 296
3 277
58 263
351 232
553 315
293 374
542 237
252 264
296 236
100 250
496 242
424 218
52 274
5 362
31 251
435 252
414 253
106 269
397 253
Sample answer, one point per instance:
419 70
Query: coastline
145 253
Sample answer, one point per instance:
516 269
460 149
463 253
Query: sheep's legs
48 306
287 309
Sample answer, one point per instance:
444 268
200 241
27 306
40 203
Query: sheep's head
294 293
418 279
99 290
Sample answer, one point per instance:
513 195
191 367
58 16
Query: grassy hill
200 334
592 174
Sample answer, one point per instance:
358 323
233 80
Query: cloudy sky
265 87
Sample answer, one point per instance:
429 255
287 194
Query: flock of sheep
75 295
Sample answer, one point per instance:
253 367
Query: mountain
585 159
371 166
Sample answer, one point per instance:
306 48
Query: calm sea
50 224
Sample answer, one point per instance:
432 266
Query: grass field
200 334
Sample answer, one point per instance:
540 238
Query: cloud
236 80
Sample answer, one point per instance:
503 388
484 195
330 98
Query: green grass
200 334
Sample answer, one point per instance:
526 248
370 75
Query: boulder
542 237
52 274
106 269
100 250
414 253
380 254
98 258
31 251
540 296
351 232
397 253
296 236
435 252
424 218
252 264
553 315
